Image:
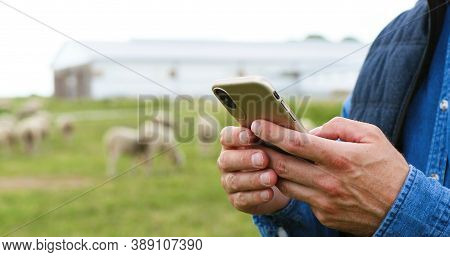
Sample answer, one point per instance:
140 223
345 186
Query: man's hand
350 184
249 183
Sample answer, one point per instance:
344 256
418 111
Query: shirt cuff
290 211
422 208
269 225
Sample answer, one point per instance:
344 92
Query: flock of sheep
30 125
156 135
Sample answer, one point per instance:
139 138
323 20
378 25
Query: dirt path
40 183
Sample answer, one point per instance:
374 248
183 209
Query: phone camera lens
225 98
276 95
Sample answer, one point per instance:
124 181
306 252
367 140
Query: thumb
347 130
315 131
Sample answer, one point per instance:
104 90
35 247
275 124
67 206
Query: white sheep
32 130
207 133
66 125
5 104
143 144
161 137
29 108
7 131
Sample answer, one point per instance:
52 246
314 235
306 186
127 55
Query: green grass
186 201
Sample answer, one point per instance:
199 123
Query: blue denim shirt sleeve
422 208
296 219
345 113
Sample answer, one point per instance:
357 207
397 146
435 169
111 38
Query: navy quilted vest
395 66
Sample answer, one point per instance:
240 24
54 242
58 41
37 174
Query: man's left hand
347 171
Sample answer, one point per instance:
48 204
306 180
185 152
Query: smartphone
253 98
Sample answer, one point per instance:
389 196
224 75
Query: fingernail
256 128
265 196
257 160
243 137
265 179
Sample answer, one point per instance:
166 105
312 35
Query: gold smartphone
253 98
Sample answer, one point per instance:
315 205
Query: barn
127 69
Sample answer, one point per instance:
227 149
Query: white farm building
111 69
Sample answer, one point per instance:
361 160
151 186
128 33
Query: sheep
120 141
44 119
161 137
142 143
29 108
65 124
7 131
207 133
5 104
32 130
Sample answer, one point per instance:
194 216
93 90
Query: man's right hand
250 185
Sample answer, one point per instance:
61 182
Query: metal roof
74 54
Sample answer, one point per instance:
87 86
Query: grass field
185 201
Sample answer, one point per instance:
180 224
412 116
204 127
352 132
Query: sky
27 48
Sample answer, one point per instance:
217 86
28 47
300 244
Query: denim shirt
422 208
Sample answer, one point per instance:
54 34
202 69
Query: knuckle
295 141
374 131
333 123
336 120
374 128
271 134
240 201
231 182
340 162
221 161
334 189
223 182
280 166
246 156
327 184
282 185
255 179
266 132
318 180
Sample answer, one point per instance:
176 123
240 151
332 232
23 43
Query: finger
248 181
314 131
291 168
300 144
246 200
234 137
237 160
348 131
297 191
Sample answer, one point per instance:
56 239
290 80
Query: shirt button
282 232
443 105
435 176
